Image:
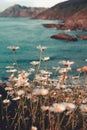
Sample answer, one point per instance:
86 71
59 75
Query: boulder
63 36
83 37
57 26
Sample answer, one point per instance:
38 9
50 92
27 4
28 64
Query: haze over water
28 34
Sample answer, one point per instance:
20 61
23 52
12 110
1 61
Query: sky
29 3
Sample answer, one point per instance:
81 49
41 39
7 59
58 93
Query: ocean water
28 34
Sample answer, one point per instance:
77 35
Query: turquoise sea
28 34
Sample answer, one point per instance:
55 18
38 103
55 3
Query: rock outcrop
57 26
83 37
64 37
78 20
21 11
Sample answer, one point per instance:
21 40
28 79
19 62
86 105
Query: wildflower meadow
39 99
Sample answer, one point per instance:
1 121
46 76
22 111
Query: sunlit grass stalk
84 122
45 65
40 59
57 122
15 60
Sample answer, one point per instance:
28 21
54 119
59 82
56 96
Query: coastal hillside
63 10
21 11
78 20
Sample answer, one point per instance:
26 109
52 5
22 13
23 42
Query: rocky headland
76 22
63 10
72 13
21 11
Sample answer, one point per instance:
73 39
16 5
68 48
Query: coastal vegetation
38 99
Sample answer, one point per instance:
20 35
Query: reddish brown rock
78 20
83 37
64 37
57 26
60 26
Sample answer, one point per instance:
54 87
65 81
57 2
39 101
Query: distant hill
21 11
63 10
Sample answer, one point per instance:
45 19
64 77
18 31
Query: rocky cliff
78 20
21 11
73 13
63 10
